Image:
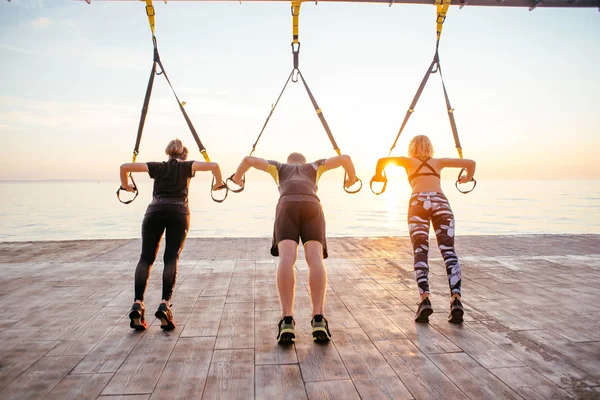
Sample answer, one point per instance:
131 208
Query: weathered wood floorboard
531 327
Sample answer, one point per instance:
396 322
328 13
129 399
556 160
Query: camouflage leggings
434 207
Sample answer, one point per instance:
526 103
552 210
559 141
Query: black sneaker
456 312
320 329
424 311
165 316
136 315
285 332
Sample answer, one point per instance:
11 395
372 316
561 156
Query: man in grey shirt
299 216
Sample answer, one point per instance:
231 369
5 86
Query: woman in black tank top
428 205
168 212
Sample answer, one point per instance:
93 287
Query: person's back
297 181
171 183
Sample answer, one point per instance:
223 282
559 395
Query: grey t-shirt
297 182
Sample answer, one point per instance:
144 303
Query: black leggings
425 207
176 225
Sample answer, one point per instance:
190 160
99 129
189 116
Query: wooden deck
532 326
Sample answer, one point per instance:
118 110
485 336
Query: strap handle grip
212 191
347 189
121 188
385 181
238 190
458 179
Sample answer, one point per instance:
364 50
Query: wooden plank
20 357
237 327
422 377
332 390
241 290
185 374
40 378
478 347
205 317
112 350
279 382
266 297
79 387
266 348
529 384
318 362
424 336
217 285
371 374
142 367
231 375
474 380
89 334
130 397
536 355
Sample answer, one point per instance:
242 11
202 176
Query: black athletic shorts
297 220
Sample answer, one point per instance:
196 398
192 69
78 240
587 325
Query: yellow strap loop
205 155
295 14
442 9
150 14
134 158
459 152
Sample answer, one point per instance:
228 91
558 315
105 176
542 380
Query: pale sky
524 85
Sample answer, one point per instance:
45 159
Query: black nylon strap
320 114
415 100
450 112
185 115
271 113
136 149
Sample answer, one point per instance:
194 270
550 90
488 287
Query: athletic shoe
456 312
136 315
424 311
286 333
165 316
320 329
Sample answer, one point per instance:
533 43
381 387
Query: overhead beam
529 4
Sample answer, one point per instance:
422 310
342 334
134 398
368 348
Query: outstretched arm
247 163
345 162
126 169
210 166
385 162
469 165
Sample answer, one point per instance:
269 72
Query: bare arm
345 162
212 167
469 165
126 169
387 161
247 163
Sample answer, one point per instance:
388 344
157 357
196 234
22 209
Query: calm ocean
72 210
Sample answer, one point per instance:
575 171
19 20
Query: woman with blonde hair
428 204
168 211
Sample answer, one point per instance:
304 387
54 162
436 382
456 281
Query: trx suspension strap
294 78
150 13
442 9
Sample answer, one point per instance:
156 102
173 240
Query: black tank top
416 174
171 182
